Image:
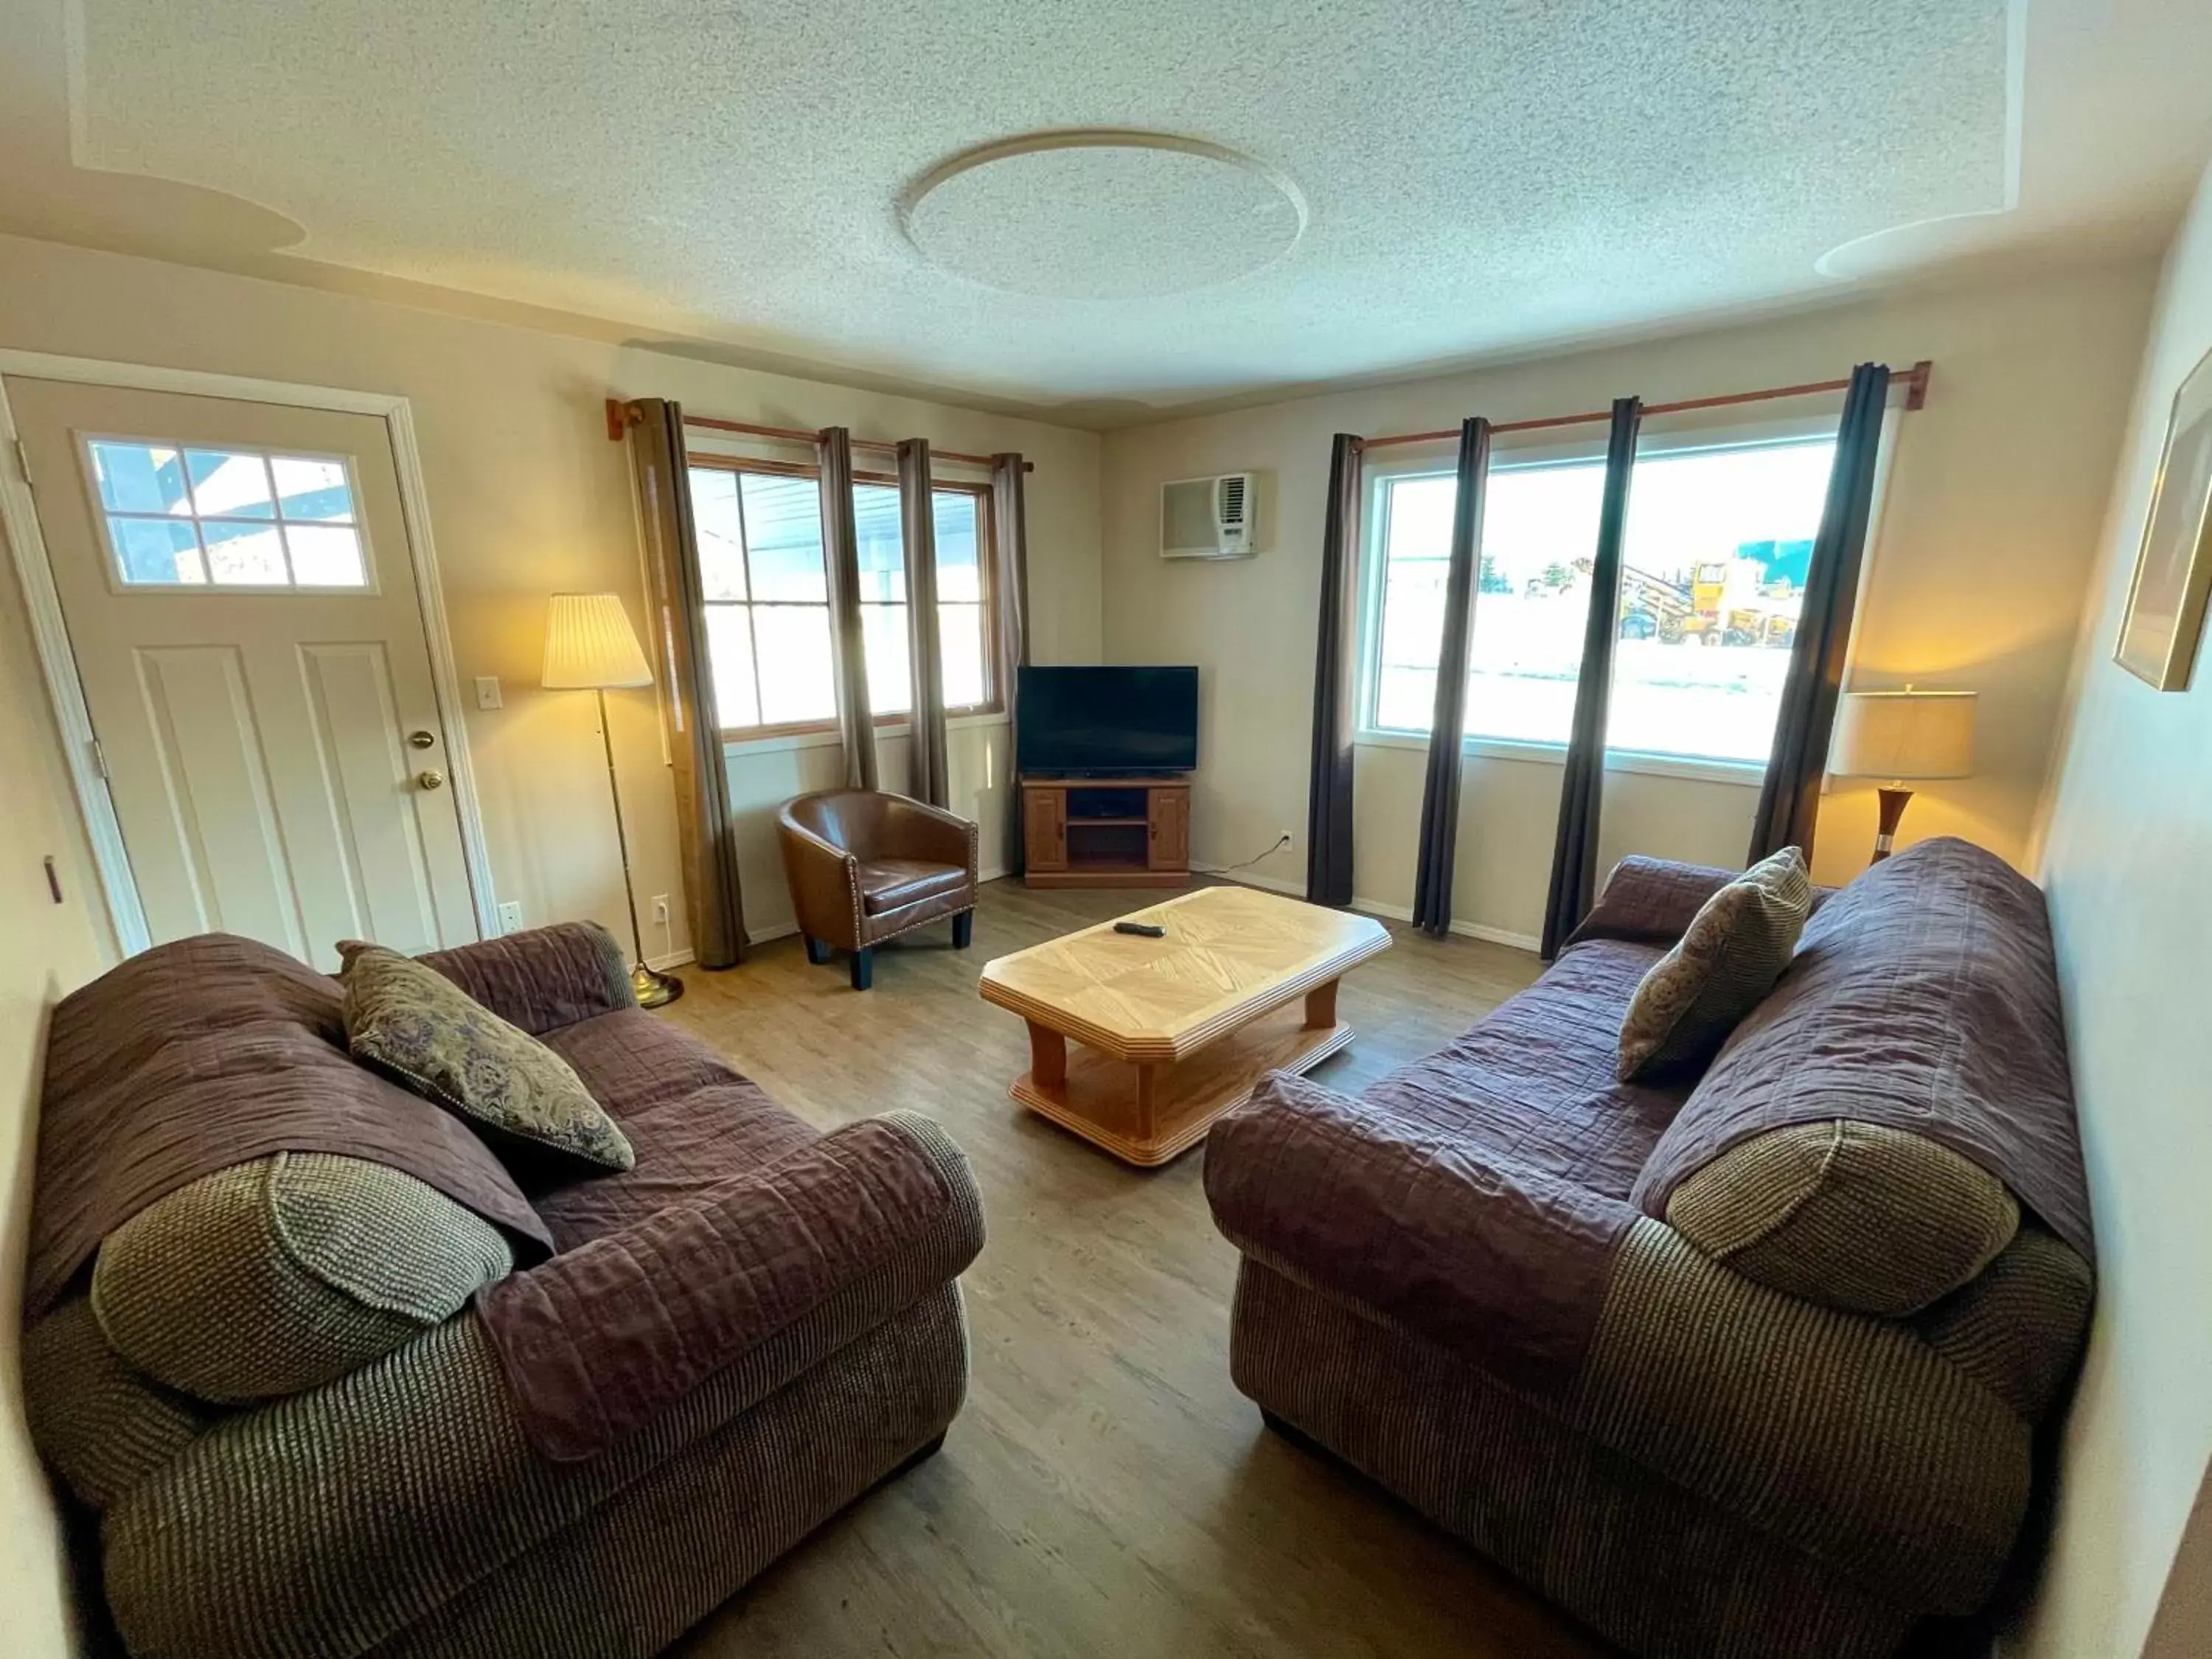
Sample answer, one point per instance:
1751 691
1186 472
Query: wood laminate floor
1106 1491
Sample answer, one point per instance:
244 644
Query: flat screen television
1108 722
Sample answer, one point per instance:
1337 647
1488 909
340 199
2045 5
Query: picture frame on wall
2165 614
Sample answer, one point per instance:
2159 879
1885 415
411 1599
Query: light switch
487 691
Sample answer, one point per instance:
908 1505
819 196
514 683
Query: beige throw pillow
416 1025
1726 961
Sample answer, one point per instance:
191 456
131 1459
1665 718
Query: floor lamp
591 646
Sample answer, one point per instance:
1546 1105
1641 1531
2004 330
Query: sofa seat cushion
894 884
103 1425
408 1020
1727 960
694 1121
274 1276
1794 1208
1535 1079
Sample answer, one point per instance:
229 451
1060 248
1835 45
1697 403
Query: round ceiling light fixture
1096 212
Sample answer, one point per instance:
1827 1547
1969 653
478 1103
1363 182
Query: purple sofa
1752 1365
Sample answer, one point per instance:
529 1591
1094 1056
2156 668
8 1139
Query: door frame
19 517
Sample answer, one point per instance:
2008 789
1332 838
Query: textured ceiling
1478 172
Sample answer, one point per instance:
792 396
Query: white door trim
19 517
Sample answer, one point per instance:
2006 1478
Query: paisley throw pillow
1726 962
417 1026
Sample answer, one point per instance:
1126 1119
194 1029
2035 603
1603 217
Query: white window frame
1507 455
717 447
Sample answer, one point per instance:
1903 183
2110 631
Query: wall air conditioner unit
1210 518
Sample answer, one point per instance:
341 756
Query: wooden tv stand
1106 832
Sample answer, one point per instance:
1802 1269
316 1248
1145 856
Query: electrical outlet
660 908
487 691
510 916
1289 840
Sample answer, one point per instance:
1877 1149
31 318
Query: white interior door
236 583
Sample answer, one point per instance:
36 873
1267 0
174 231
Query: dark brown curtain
1010 533
1433 879
926 773
848 647
712 904
1574 853
1789 800
1328 795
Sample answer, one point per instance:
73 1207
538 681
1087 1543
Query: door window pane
244 555
179 517
158 551
325 555
310 488
140 478
229 485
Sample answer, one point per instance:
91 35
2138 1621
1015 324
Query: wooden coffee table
1174 1031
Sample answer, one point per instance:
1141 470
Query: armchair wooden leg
817 951
964 930
864 968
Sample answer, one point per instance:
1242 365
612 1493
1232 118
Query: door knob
421 739
432 779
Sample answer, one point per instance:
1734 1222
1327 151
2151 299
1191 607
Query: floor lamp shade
1898 736
590 645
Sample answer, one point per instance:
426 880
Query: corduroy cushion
1727 960
284 1273
103 1425
410 1022
1854 1215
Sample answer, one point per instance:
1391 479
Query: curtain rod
1914 380
618 418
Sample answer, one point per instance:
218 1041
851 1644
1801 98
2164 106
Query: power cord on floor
1281 842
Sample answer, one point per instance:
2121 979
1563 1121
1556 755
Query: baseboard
1377 907
777 930
1247 878
674 959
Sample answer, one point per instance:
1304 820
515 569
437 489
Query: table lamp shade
590 645
1900 735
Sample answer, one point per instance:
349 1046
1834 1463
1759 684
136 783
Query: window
1714 564
179 517
768 597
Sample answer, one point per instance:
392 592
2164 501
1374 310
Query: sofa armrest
1650 901
825 885
1845 1434
1504 1264
359 1505
545 978
916 830
602 1338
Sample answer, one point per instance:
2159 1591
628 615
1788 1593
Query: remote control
1147 929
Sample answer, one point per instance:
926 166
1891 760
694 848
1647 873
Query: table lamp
589 646
1901 735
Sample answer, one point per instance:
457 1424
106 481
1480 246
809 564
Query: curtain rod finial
1916 394
618 419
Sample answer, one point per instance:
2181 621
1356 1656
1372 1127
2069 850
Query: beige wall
1995 496
2128 844
50 950
527 497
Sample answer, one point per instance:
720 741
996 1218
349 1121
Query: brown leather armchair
864 865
